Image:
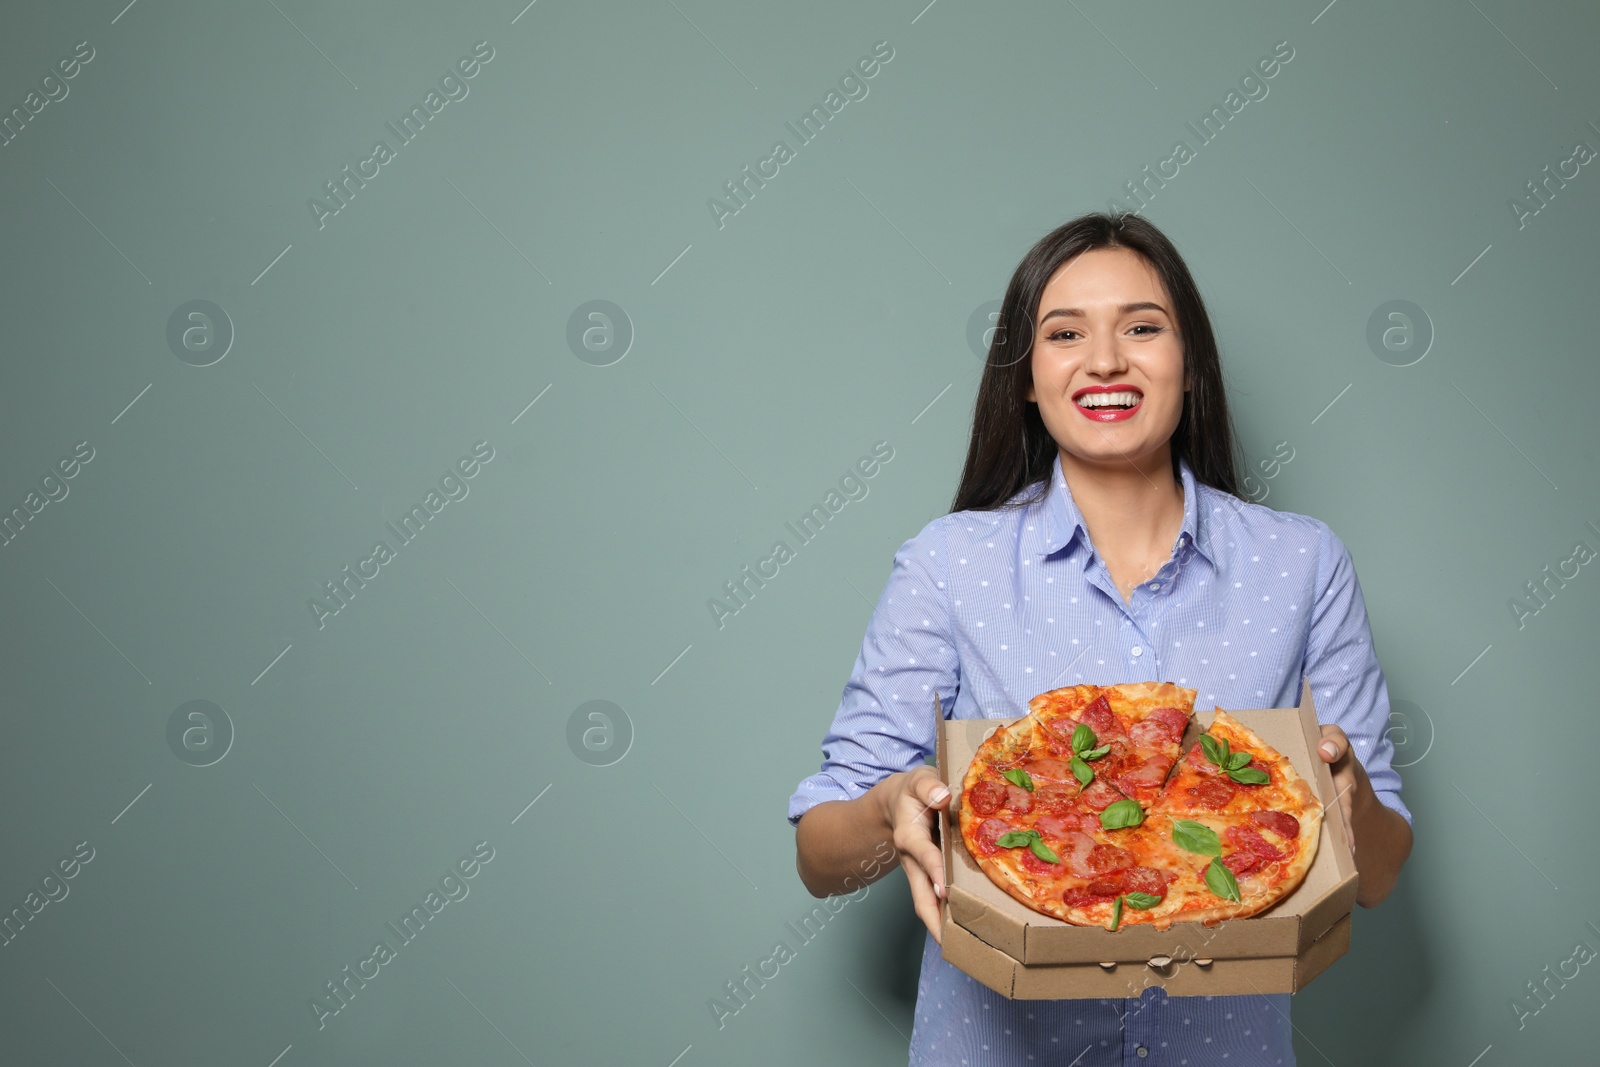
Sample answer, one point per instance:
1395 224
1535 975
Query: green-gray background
369 754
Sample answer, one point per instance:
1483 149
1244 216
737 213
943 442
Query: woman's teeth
1108 400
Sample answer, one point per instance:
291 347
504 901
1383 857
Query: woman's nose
1105 357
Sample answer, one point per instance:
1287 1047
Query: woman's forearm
1383 841
840 844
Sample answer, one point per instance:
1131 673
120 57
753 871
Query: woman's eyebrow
1078 313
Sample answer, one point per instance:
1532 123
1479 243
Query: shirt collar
1064 527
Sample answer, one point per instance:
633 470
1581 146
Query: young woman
1097 537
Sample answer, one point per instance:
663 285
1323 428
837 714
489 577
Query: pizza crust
1004 746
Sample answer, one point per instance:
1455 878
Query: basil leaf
1082 738
1042 850
1213 751
1250 776
1221 881
1095 753
1081 771
1195 837
1018 777
1122 813
1227 753
1016 838
1142 900
1237 760
1116 913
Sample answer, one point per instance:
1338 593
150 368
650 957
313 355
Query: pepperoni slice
1246 839
1145 880
1088 822
1084 896
1279 822
1103 859
1058 734
1175 719
1146 776
1101 719
1018 800
1055 828
1056 797
1242 862
1074 852
988 832
1098 795
987 796
1107 887
1049 770
1162 727
1212 793
1058 826
1197 760
1151 734
1035 865
1121 756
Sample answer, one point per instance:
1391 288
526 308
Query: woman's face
1104 330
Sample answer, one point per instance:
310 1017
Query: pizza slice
1071 865
1245 861
1119 740
1230 770
1124 878
1157 714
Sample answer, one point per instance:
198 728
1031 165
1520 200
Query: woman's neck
1133 511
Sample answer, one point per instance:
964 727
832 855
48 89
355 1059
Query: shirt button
1143 1052
1155 586
1137 650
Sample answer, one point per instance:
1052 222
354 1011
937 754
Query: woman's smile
1108 403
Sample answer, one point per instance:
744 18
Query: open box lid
1288 928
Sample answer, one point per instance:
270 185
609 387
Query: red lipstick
1109 414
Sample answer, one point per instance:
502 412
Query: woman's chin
1111 453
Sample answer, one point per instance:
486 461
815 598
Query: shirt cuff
1393 801
815 790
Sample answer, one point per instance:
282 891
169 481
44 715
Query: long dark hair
1010 447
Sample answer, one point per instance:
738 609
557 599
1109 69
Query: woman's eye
1060 335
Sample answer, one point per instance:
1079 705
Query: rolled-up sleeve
1342 667
885 720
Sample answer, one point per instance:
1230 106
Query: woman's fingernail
938 890
938 795
1329 750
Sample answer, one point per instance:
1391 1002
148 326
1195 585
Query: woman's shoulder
980 526
959 535
1258 527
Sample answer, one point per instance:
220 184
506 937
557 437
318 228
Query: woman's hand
911 801
1349 777
1385 833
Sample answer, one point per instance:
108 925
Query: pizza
1089 810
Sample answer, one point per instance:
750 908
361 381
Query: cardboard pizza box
1025 954
1180 976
